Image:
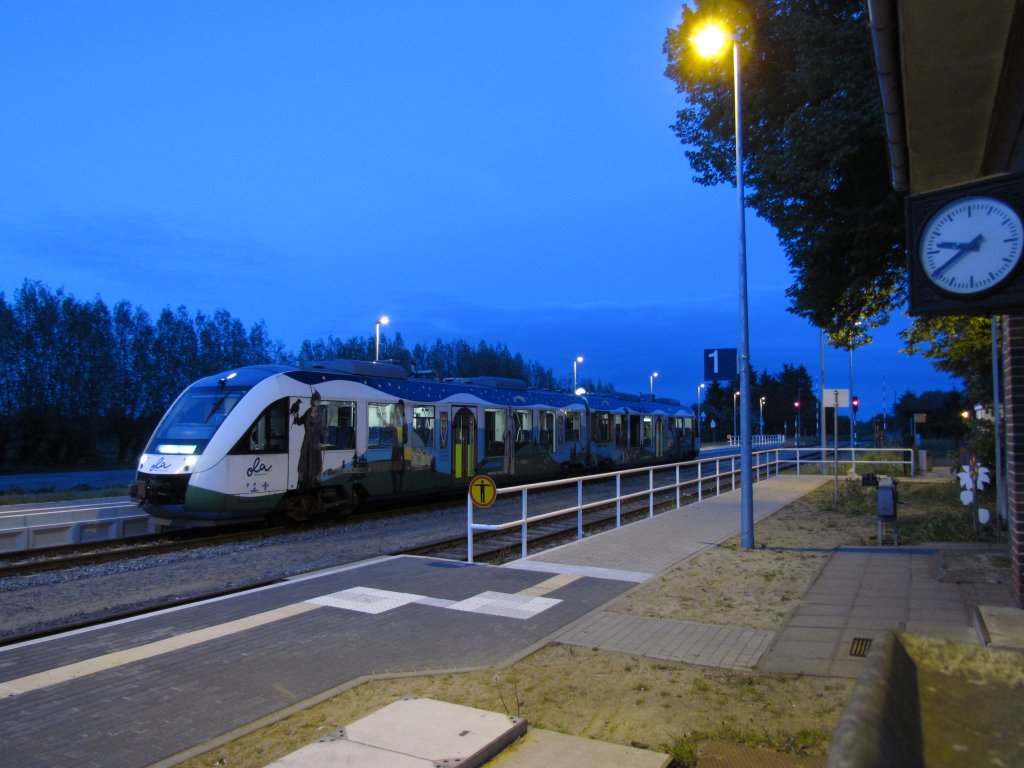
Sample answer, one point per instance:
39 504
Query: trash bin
922 461
887 500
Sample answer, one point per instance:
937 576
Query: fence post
579 510
525 506
618 500
650 493
469 527
732 472
678 490
718 477
700 485
798 460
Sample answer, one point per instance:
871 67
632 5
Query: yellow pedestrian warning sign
482 490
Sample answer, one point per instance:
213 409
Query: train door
463 443
635 435
659 437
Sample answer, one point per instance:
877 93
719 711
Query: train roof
400 382
622 402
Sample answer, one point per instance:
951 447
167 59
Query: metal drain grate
860 646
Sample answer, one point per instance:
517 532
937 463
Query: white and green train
279 442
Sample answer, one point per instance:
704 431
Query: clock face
971 245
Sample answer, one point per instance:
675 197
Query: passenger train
288 442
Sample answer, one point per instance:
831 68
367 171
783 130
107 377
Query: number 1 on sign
714 357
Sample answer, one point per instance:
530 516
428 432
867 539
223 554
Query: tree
37 318
127 413
9 353
815 153
961 346
943 413
175 357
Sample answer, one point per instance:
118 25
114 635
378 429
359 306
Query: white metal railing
765 462
725 468
759 441
904 458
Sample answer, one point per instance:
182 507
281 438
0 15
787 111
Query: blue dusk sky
502 172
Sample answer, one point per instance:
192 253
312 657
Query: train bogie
289 442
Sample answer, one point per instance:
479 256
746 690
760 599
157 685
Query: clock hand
948 244
964 249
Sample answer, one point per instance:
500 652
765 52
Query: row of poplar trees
84 383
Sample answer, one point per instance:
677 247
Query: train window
423 426
386 423
524 427
269 433
572 426
192 420
648 432
495 431
621 433
339 425
547 430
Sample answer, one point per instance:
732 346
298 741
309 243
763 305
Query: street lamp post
796 421
734 396
382 321
761 418
579 359
653 377
853 419
708 45
699 388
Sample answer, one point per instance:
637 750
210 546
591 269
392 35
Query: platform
155 689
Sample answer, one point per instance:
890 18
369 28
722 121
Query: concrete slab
413 733
437 730
1005 626
331 753
546 749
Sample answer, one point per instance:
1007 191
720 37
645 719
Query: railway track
489 547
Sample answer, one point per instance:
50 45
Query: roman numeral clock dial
971 245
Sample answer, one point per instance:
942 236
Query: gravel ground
74 595
58 598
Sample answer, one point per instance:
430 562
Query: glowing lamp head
710 41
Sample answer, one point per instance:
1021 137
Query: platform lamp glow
384 320
579 359
653 377
711 41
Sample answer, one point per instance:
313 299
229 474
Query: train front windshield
191 422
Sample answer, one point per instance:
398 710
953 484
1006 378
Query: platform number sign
719 364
